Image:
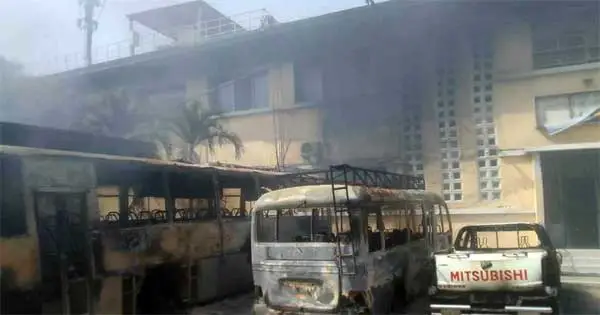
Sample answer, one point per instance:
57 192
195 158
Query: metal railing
145 42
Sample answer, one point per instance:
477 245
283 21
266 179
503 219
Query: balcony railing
145 42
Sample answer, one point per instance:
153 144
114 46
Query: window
226 96
561 109
448 134
569 36
259 88
245 93
302 225
491 237
485 128
13 220
308 81
411 139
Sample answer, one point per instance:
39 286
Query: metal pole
217 198
169 201
88 24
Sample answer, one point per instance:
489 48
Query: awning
550 148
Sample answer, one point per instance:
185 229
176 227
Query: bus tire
381 299
400 296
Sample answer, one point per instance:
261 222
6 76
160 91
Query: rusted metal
321 196
376 265
350 175
167 165
123 250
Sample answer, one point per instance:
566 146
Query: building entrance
572 197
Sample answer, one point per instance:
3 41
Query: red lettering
494 275
489 275
455 275
518 275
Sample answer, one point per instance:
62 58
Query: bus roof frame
322 196
135 162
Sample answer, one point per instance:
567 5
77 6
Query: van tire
556 307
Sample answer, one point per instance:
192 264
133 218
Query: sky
37 32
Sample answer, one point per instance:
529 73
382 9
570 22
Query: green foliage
197 125
190 125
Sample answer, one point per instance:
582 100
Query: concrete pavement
580 295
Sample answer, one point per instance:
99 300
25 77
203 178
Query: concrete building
496 104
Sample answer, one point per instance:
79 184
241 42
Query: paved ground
242 305
239 305
579 296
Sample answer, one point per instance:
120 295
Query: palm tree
197 125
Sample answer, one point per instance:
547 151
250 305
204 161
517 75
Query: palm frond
226 137
197 124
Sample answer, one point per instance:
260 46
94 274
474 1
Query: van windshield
503 237
303 225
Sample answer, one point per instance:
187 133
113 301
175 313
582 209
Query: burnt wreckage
346 239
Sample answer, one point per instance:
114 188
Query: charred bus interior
151 198
386 227
85 232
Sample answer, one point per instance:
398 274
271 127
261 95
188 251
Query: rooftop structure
187 24
171 20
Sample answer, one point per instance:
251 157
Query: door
65 252
443 229
581 204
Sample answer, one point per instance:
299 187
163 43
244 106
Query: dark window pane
12 207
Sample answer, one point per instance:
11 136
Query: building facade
496 104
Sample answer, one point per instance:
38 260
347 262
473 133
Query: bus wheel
399 299
381 299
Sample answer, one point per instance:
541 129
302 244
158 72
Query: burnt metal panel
49 138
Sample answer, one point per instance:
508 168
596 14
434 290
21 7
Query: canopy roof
167 20
134 161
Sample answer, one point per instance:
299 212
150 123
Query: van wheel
557 308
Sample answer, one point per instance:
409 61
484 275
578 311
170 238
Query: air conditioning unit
313 153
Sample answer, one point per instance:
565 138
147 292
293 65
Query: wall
284 122
515 89
518 85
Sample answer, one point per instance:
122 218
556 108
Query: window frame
241 86
573 21
539 112
18 207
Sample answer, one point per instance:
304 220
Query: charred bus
165 237
358 241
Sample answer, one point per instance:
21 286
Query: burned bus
358 241
86 233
